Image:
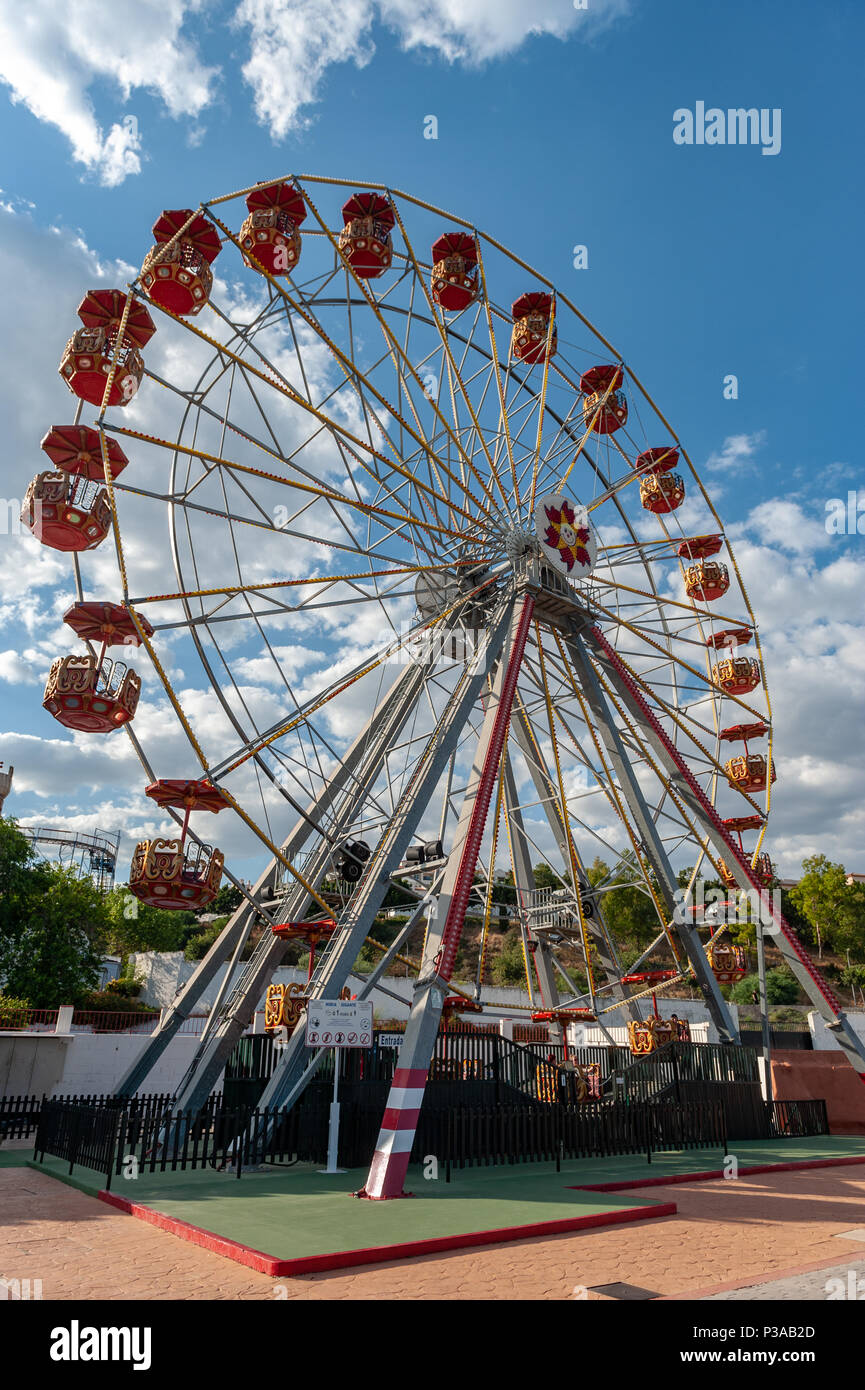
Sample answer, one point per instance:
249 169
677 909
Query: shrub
126 987
781 988
115 1008
197 946
12 1011
101 1001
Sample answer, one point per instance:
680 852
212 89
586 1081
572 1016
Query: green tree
781 988
833 909
227 899
629 910
53 926
509 965
545 877
136 926
21 874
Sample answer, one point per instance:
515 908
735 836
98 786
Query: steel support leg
347 790
393 1148
691 793
652 843
524 881
548 797
336 963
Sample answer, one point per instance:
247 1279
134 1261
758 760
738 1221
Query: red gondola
65 512
749 772
728 963
88 693
93 350
662 492
531 331
178 277
454 280
365 240
605 408
706 581
270 232
168 873
738 675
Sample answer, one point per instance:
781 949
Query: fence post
73 1138
448 1144
647 1120
116 1116
64 1019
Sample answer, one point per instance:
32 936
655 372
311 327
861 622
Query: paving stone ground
725 1233
843 1282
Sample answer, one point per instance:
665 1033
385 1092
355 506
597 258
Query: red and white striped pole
399 1123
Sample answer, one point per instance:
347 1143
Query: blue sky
702 261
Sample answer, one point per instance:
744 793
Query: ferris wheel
459 593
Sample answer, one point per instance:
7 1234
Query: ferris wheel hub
518 543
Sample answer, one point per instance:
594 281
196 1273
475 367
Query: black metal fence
126 1142
131 1138
508 1070
782 1039
658 1074
510 1134
19 1116
798 1119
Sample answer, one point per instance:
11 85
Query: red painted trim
453 927
399 1119
345 1259
196 1235
409 1077
711 1174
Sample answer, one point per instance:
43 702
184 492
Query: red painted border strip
345 1259
196 1235
711 1174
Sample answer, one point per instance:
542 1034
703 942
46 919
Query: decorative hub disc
566 537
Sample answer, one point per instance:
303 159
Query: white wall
696 1012
85 1063
823 1040
165 973
31 1064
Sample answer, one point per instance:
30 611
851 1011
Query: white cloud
737 452
294 42
784 523
14 668
473 31
52 55
53 58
